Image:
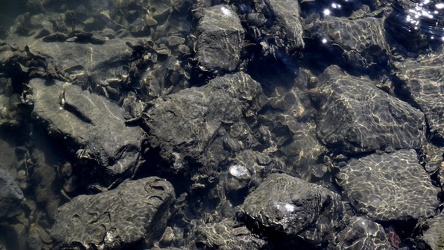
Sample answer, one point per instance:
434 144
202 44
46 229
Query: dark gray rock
135 211
354 116
274 24
220 39
434 234
361 42
225 234
10 196
389 187
362 233
191 123
423 82
92 127
293 207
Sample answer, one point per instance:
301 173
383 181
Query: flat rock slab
10 196
355 116
423 81
389 187
134 211
221 38
92 126
292 206
184 124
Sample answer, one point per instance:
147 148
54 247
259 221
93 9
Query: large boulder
389 187
135 212
90 126
354 116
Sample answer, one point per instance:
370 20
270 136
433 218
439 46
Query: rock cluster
274 124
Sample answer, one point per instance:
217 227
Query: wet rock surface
389 187
356 117
190 123
11 196
423 82
91 126
277 124
362 233
221 38
294 207
133 214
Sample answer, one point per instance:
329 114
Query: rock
389 187
422 82
220 39
134 212
90 126
11 196
225 235
275 24
189 123
362 233
292 207
361 43
434 235
354 116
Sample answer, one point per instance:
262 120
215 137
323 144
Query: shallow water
50 173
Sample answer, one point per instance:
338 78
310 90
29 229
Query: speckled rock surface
389 187
134 213
355 117
294 207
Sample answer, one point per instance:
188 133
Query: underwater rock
89 125
274 24
290 206
226 234
189 123
362 233
10 196
389 187
422 82
135 212
434 234
220 39
354 116
360 43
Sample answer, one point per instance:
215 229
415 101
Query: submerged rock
89 125
423 83
290 206
362 233
220 40
10 196
360 43
355 116
226 235
185 125
134 212
389 187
